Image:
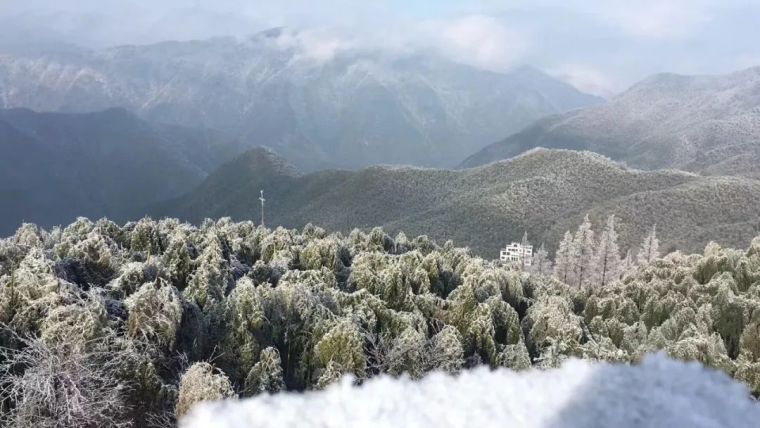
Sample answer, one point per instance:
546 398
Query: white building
517 253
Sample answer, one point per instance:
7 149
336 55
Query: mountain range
681 152
704 124
357 108
544 192
55 166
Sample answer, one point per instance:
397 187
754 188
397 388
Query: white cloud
316 45
628 38
588 79
324 49
478 40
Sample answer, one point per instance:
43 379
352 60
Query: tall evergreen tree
650 248
607 258
582 254
524 243
562 263
541 264
627 264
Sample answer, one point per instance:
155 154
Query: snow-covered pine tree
627 264
582 254
650 248
562 263
607 258
524 243
541 263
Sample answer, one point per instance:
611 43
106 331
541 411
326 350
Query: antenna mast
262 207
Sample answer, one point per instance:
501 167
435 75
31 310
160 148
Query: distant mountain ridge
55 167
704 124
543 192
358 108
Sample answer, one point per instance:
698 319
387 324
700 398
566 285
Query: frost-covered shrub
407 354
479 336
245 322
209 281
76 325
266 374
155 314
343 345
29 236
145 237
131 276
52 384
515 357
749 343
32 290
331 374
553 324
202 382
95 260
177 259
446 352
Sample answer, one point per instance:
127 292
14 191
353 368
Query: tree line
583 260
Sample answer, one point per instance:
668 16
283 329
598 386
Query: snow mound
660 392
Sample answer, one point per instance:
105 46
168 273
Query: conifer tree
627 264
524 243
28 235
650 248
541 264
607 257
145 237
582 254
155 313
563 264
209 281
177 260
246 315
406 354
446 351
342 344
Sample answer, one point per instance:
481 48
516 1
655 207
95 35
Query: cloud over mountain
494 35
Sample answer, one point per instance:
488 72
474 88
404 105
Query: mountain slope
358 108
545 192
705 124
55 167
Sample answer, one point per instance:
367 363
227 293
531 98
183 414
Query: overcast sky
601 46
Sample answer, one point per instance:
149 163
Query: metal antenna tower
262 207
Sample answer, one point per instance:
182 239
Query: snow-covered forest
108 325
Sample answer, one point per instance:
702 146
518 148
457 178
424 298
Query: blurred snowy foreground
659 392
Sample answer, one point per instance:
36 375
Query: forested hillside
544 192
108 325
359 107
705 124
55 167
